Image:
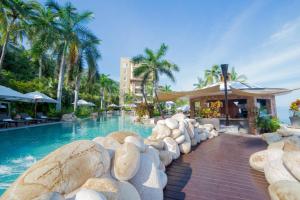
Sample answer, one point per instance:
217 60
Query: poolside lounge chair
40 116
8 120
28 119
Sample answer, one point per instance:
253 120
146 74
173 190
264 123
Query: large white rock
193 142
276 145
155 156
126 161
292 144
271 137
275 171
128 191
109 143
163 178
161 122
176 133
161 131
180 139
147 180
185 147
165 157
172 147
179 117
284 190
86 194
197 138
158 144
181 127
171 123
50 196
192 121
203 136
208 127
291 161
121 135
63 170
190 130
106 186
138 142
258 160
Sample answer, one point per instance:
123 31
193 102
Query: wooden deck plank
218 169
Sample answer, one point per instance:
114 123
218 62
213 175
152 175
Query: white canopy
82 102
12 95
113 105
40 97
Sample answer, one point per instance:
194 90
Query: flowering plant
295 107
212 111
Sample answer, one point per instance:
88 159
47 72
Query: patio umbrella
82 102
113 105
38 97
12 95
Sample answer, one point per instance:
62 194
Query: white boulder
284 190
161 131
291 161
271 137
126 162
86 194
147 180
171 123
50 196
128 191
176 133
110 144
179 117
172 147
180 139
158 144
138 142
165 157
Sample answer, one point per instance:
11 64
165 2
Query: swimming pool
20 148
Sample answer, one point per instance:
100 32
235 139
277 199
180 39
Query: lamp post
224 68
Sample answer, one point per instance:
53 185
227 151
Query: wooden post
192 109
251 107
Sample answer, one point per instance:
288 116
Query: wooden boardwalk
218 169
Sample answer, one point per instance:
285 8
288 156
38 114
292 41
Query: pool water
20 148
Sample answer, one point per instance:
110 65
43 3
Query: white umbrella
40 97
185 108
170 103
12 95
113 105
82 102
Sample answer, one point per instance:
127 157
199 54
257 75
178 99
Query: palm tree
70 23
88 52
14 16
200 84
234 76
166 88
151 66
43 33
212 75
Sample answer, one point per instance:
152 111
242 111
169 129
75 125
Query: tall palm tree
13 17
43 34
151 66
200 84
234 76
88 53
71 25
166 88
212 75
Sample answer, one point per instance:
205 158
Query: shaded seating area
218 169
9 96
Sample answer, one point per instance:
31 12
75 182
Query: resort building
128 83
244 101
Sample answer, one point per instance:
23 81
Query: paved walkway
218 169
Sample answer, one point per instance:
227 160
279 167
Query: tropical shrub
83 111
142 110
295 108
267 124
211 111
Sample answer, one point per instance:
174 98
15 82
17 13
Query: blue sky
259 38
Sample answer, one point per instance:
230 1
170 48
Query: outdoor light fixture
224 68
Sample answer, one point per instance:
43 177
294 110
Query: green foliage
83 111
143 109
267 124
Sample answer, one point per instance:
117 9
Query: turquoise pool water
20 148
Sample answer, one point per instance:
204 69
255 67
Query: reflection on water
20 148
